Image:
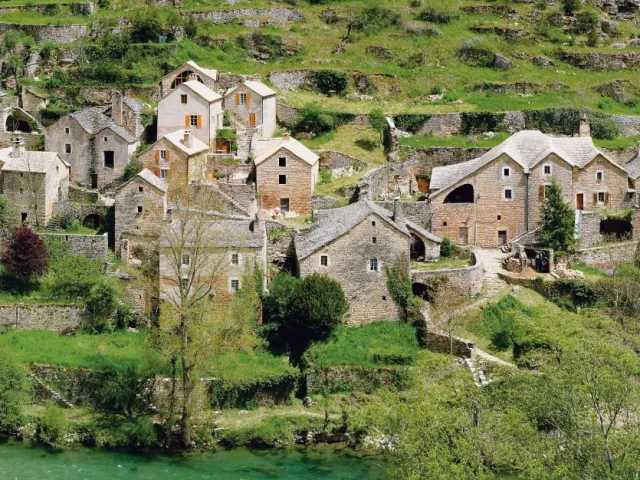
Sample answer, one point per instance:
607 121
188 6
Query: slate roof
94 119
527 148
202 90
633 167
150 178
226 232
176 139
210 72
334 223
265 148
258 87
35 162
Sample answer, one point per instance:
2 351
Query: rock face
289 80
542 61
601 62
619 8
273 15
502 63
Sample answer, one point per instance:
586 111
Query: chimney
585 127
17 147
117 108
397 210
187 139
286 136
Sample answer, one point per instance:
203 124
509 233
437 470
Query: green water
21 462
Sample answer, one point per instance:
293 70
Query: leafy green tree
571 6
127 391
52 425
7 214
330 81
276 306
133 168
102 301
14 393
378 122
314 119
191 29
146 26
558 222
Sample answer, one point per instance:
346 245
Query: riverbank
31 461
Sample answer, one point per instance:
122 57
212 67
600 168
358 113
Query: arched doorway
184 77
462 194
418 249
17 124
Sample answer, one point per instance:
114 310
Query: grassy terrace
441 263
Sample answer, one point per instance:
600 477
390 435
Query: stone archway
426 292
615 229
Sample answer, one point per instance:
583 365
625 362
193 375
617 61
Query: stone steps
54 397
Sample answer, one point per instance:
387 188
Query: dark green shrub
473 54
571 6
125 315
52 425
101 303
54 111
604 129
73 276
51 10
14 393
127 391
146 26
330 81
437 13
133 168
446 248
314 119
138 433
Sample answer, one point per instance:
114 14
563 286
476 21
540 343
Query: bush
330 81
314 119
438 14
146 26
126 315
14 393
446 248
133 168
571 6
25 255
127 391
101 303
373 19
138 433
604 129
472 54
52 425
73 277
500 322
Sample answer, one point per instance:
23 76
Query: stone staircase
45 391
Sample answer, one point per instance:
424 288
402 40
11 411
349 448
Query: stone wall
440 342
331 160
102 95
629 125
289 80
92 246
417 212
442 125
49 33
272 15
606 255
322 202
467 279
40 317
349 379
286 115
590 230
427 158
389 181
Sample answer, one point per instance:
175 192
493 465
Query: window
506 172
507 194
444 224
546 169
185 283
373 223
284 204
282 161
186 259
243 98
164 173
183 99
23 216
193 120
324 261
67 148
499 217
235 284
373 265
21 191
282 179
67 130
599 175
140 189
374 240
139 209
163 154
57 169
109 159
601 197
235 259
104 139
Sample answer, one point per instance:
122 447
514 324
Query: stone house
286 174
33 182
253 105
97 142
231 248
140 205
191 105
354 245
496 198
190 70
178 156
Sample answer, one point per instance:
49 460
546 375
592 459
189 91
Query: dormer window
506 172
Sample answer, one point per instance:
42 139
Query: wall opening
423 291
418 249
15 124
462 194
184 77
93 220
615 229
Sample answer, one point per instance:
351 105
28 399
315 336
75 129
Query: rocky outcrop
600 61
272 15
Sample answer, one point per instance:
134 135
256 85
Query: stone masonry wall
330 160
337 379
468 279
40 317
417 212
49 33
92 246
273 15
606 255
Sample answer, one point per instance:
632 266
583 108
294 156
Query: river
27 462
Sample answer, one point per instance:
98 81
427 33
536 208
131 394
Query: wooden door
580 201
252 119
464 235
502 237
94 180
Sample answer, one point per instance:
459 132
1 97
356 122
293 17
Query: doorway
284 205
464 236
502 237
252 119
94 180
580 201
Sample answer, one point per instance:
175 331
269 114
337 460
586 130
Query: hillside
410 56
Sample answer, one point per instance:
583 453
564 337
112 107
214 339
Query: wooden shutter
199 121
187 122
248 98
541 192
595 198
157 156
606 198
167 155
237 99
156 171
169 174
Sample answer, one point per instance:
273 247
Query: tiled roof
265 148
224 232
37 162
527 148
93 120
334 223
633 167
258 87
176 138
202 90
150 177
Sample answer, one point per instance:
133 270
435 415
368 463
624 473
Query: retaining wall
348 379
606 255
273 15
467 279
40 317
49 33
92 246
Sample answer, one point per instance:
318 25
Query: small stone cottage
97 142
193 106
354 245
140 207
231 247
253 105
496 198
177 157
33 182
286 174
